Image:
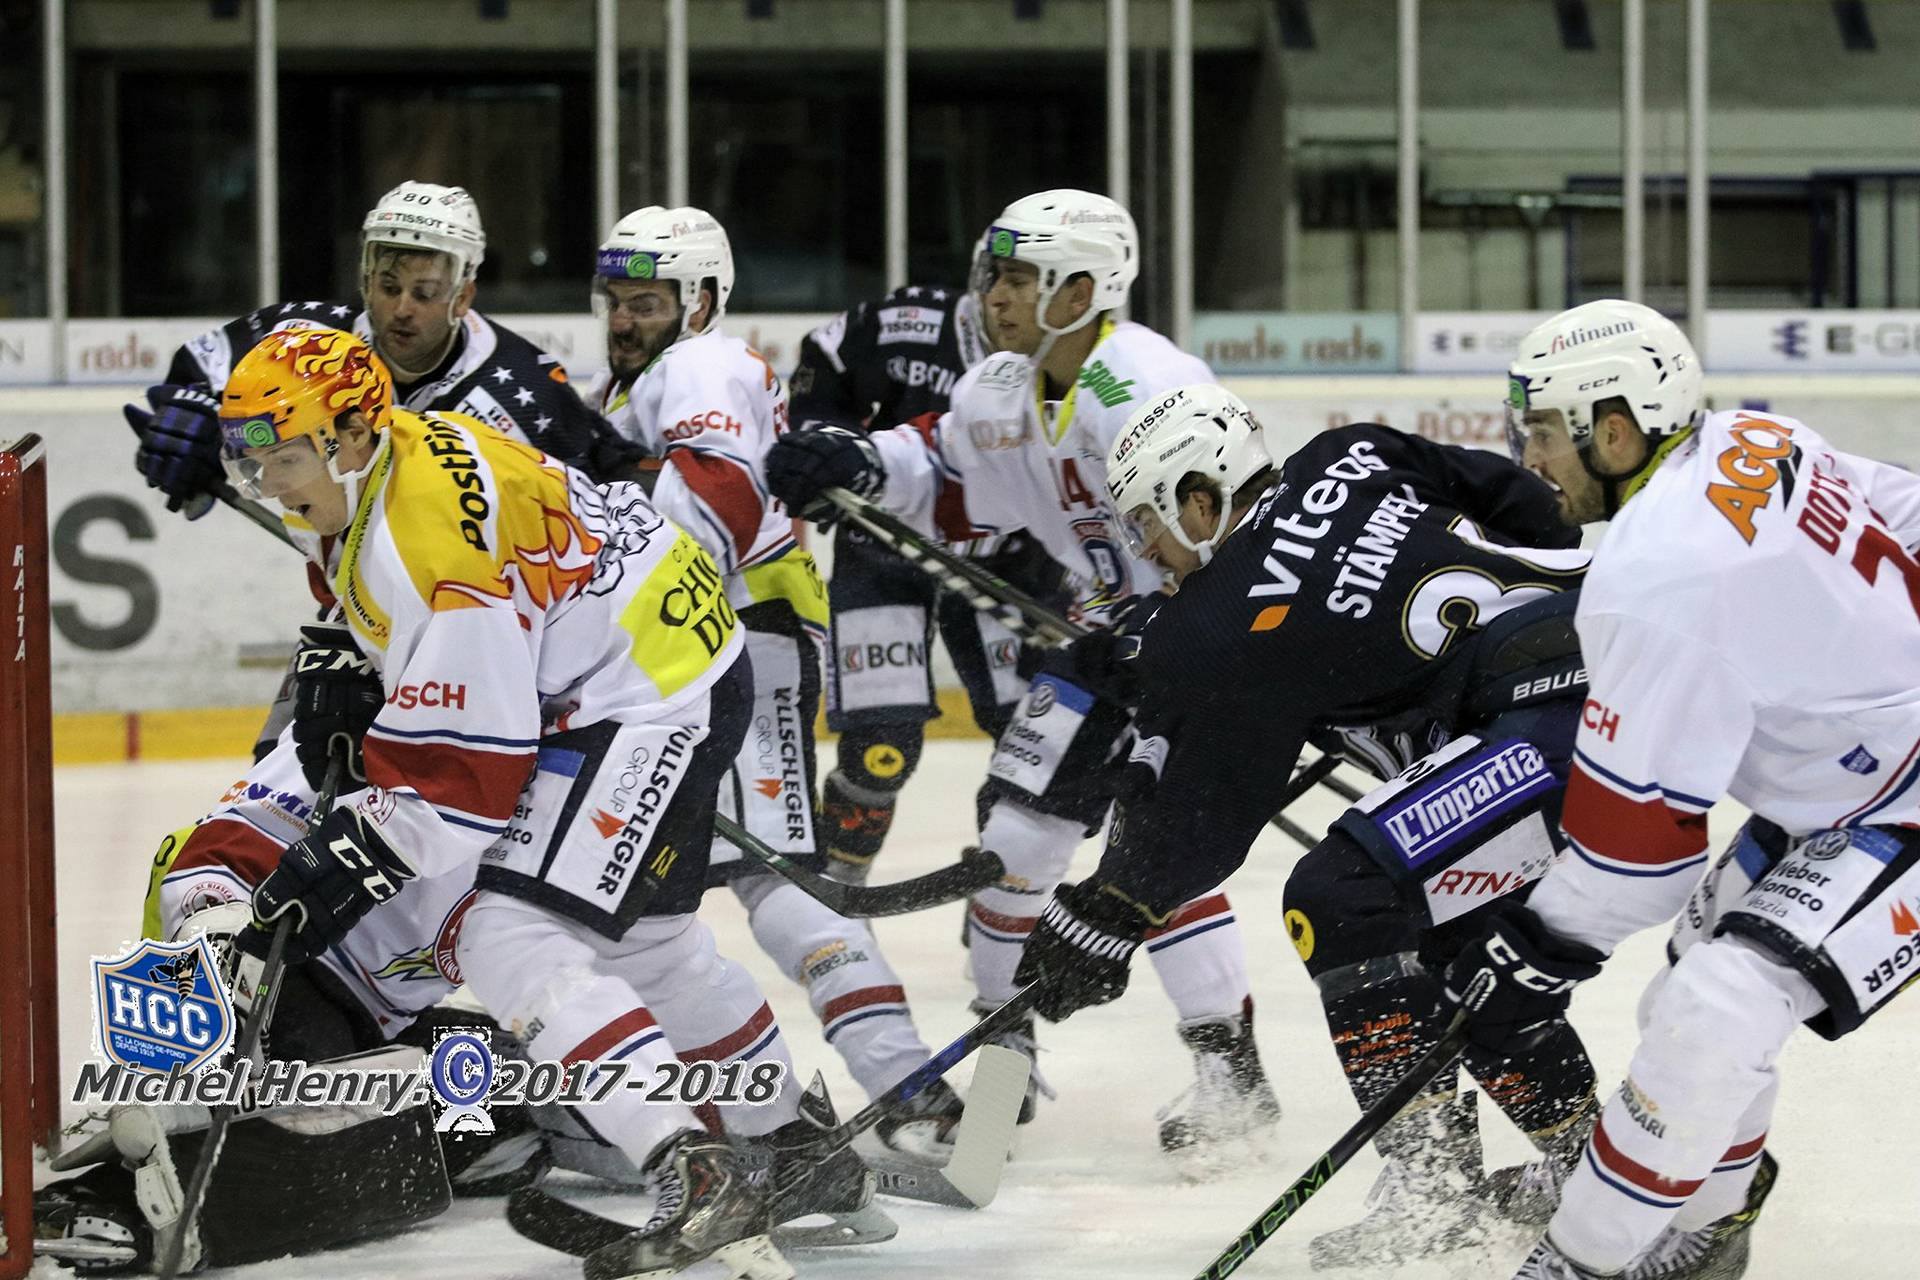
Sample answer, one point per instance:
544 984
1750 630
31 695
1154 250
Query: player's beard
630 353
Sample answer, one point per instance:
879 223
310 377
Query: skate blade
754 1258
868 1225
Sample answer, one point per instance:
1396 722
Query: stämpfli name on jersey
1364 564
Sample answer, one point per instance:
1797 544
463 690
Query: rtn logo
431 694
1599 719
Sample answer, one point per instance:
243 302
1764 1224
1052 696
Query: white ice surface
1088 1195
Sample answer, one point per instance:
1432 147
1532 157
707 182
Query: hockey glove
1515 982
1078 952
803 463
179 450
1103 660
336 695
327 880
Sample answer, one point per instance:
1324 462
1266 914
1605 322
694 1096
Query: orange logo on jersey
1750 465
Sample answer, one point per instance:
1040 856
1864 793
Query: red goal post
29 1007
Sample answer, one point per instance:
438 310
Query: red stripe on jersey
727 1046
1216 905
318 583
1615 826
725 488
1743 1150
950 506
1005 924
1629 1170
485 784
621 1029
861 999
233 844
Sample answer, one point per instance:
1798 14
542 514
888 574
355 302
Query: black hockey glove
328 879
179 450
817 457
1516 980
336 695
1103 660
1079 950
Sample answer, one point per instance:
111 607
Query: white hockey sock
1035 849
1201 957
857 996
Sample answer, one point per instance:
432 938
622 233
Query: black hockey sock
1546 1091
1384 1015
857 819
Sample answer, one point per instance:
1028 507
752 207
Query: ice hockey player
421 247
1367 594
562 687
1020 447
709 407
877 365
1813 730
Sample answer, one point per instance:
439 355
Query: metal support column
677 148
895 111
606 115
53 25
1698 176
1633 206
1180 120
1409 176
1117 100
266 150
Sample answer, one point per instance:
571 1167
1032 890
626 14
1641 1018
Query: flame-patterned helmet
299 381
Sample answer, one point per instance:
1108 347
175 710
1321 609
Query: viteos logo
160 1006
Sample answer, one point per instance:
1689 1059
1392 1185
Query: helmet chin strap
354 482
1617 486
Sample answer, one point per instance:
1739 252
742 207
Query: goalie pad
289 1180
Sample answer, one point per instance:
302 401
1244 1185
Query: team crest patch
161 1005
1859 760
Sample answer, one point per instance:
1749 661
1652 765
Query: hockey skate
922 1128
92 1224
1424 1202
706 1208
801 1185
1527 1194
1717 1251
1229 1099
1019 1037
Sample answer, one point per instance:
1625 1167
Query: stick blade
985 1134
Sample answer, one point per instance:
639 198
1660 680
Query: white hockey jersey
1003 458
1751 626
709 408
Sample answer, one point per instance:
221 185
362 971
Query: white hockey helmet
1597 351
1202 429
425 215
1063 233
685 245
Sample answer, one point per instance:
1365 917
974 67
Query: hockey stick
971 1177
1022 614
265 994
548 1220
975 871
1349 1144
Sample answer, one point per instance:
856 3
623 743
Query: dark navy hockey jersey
886 362
1346 597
